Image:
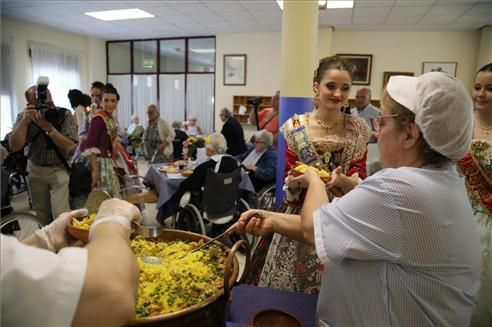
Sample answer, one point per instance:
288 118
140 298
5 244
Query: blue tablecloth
166 186
248 300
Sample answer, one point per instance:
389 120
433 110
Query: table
167 186
248 300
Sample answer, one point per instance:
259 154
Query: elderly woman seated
216 147
260 161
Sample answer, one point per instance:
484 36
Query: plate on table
186 172
168 169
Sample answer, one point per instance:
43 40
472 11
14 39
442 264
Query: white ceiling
210 17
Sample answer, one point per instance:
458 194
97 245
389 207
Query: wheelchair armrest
185 199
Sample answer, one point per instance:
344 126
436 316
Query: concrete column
299 57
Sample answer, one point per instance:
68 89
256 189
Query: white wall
406 51
92 52
392 51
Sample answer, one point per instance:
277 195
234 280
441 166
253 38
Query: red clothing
270 124
98 137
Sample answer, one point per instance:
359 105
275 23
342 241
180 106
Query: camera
48 110
255 102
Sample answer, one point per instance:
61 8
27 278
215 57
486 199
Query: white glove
55 236
116 210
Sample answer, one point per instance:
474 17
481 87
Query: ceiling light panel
120 14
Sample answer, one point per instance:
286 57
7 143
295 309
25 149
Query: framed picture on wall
362 64
440 66
387 75
235 69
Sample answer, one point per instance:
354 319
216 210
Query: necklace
329 128
485 130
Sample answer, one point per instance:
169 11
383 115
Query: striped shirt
401 249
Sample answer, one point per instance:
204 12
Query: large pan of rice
187 289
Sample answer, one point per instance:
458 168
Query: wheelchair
17 224
215 209
265 198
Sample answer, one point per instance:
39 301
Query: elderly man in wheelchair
208 201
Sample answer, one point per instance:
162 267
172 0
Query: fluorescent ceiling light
323 4
121 14
335 4
203 50
280 3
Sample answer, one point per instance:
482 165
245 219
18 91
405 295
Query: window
9 109
178 75
201 55
172 56
119 52
61 66
145 56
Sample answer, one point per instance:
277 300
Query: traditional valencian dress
114 161
291 265
477 168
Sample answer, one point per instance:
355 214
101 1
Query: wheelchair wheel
266 198
20 225
189 219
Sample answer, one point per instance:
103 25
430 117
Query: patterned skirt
482 315
291 265
109 179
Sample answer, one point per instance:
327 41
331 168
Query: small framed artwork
362 64
387 75
235 69
440 66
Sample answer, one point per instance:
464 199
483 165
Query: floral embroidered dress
477 168
112 158
291 265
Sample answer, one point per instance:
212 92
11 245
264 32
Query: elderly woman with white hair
401 247
219 161
261 161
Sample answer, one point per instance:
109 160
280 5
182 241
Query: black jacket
234 135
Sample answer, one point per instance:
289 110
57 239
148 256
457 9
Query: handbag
80 176
80 179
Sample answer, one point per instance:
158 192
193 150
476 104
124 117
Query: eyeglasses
260 142
379 121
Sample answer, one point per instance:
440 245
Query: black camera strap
59 154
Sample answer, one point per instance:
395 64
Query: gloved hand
116 210
55 236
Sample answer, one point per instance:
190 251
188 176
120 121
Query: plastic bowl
275 318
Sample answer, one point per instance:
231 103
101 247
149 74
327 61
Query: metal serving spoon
228 232
149 232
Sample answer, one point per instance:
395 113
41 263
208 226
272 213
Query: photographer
42 126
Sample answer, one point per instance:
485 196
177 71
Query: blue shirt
401 249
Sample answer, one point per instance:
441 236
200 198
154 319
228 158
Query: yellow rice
176 283
84 223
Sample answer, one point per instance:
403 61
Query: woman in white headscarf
401 247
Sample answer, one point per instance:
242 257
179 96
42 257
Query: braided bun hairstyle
110 89
332 62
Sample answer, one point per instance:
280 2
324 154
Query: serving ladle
228 232
149 232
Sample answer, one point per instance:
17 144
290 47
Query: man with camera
46 130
